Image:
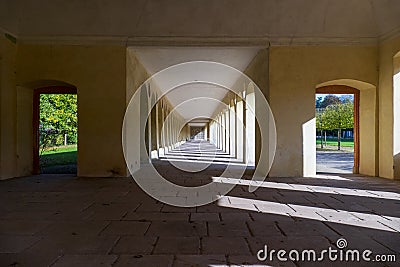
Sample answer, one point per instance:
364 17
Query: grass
333 142
64 155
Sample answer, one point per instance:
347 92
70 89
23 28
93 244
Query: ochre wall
8 96
99 74
294 73
106 77
135 76
388 49
258 72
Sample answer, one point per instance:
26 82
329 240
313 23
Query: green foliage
335 117
320 123
339 116
58 116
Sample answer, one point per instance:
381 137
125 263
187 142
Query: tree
337 117
330 100
58 114
318 102
346 98
320 123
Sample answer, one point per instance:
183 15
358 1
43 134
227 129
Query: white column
241 145
232 129
396 121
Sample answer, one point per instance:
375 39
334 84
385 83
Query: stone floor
59 220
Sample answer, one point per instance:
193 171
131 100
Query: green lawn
64 155
333 142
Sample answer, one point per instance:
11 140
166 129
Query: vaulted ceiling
269 20
197 99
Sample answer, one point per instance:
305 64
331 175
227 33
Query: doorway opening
196 133
337 129
55 130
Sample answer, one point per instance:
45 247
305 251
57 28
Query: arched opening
347 132
51 155
28 118
366 130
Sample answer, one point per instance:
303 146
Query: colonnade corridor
200 151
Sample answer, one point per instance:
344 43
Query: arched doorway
347 90
368 130
37 92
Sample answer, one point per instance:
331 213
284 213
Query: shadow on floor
64 221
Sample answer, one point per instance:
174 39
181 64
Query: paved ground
335 161
59 169
56 220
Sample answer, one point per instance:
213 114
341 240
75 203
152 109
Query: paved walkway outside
56 220
335 161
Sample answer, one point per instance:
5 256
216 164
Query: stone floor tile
16 243
85 260
28 259
177 229
305 228
73 245
134 245
199 260
150 207
225 245
264 229
156 216
233 228
270 218
28 215
214 208
109 211
168 208
22 227
177 245
235 216
204 216
126 228
144 260
75 228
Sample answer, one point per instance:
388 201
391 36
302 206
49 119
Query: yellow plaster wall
103 77
387 50
8 150
294 73
258 72
99 73
135 76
